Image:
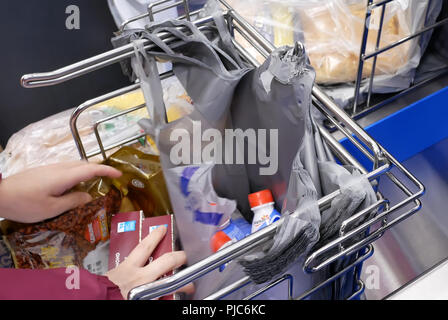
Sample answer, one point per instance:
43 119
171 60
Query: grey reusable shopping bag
228 94
277 96
356 194
209 76
284 80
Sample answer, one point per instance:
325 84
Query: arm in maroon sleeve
20 284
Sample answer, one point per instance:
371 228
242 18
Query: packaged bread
332 32
50 140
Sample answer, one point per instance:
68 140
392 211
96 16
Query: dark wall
35 39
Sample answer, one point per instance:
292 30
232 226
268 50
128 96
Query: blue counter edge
410 130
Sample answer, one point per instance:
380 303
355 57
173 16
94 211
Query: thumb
72 200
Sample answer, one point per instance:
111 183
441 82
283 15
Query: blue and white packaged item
232 231
262 204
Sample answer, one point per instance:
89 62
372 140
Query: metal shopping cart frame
358 109
382 162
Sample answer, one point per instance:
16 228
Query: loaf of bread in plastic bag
332 32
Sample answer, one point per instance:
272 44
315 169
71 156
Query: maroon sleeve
55 284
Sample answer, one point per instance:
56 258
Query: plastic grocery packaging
231 232
356 194
279 93
44 142
50 140
211 104
332 34
435 60
142 183
262 204
295 237
80 236
237 229
199 211
65 240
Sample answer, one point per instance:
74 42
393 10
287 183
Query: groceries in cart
245 158
78 236
62 241
142 184
335 57
230 232
262 204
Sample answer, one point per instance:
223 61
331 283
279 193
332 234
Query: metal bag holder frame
357 110
382 162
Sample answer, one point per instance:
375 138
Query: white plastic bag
199 210
45 142
50 140
332 30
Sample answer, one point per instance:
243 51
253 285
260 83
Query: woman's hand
39 194
132 272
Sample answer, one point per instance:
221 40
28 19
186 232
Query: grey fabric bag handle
145 67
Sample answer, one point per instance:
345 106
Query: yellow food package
142 184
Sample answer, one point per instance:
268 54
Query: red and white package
98 229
